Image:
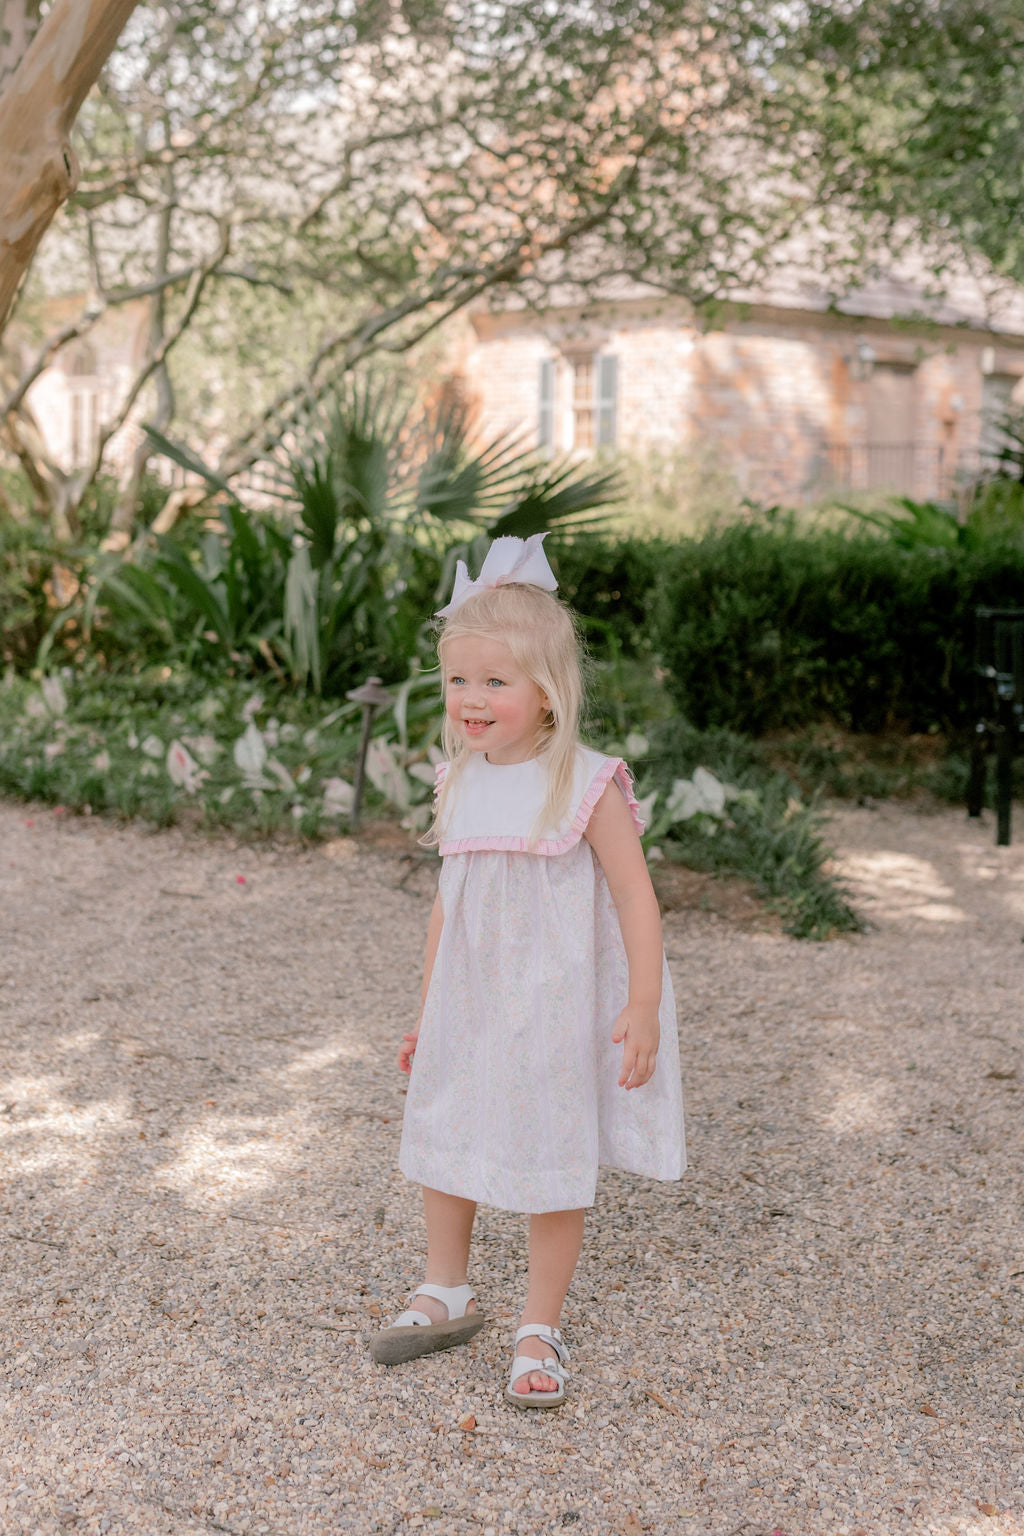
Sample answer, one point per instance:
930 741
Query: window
84 391
996 404
594 401
85 423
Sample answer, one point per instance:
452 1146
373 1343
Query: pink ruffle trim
614 768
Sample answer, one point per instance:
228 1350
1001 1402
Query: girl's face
492 705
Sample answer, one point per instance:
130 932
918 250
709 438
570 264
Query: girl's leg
555 1240
449 1221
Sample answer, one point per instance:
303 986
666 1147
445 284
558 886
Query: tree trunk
38 107
19 21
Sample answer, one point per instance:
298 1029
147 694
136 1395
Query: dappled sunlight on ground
816 1332
861 1110
933 870
318 1059
898 885
235 1160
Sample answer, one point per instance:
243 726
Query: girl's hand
407 1050
638 1026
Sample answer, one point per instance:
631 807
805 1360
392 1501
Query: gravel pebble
816 1333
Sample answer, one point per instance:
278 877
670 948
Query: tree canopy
292 188
914 111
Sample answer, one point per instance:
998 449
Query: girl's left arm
612 835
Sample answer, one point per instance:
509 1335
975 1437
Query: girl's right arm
408 1046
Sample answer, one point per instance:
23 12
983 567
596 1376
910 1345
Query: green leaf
202 594
179 454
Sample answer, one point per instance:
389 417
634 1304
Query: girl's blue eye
457 681
496 680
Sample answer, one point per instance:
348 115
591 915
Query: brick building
893 388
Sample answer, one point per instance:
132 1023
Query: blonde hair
543 637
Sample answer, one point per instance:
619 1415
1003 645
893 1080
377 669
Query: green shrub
765 831
610 583
164 745
763 629
26 566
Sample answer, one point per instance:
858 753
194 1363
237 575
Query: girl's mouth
475 727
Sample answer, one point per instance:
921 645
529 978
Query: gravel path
818 1332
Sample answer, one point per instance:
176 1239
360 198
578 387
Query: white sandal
522 1365
414 1333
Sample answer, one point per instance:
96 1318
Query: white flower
645 807
53 694
747 797
35 706
338 797
385 774
148 770
53 749
298 811
209 708
637 744
152 746
133 740
425 772
251 707
288 732
702 795
654 854
206 748
251 754
304 774
272 732
417 820
225 794
183 768
282 775
101 762
309 739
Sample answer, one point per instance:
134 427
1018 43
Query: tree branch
80 326
450 289
197 283
37 111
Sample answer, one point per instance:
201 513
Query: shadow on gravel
816 1332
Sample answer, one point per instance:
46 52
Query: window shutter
607 401
546 417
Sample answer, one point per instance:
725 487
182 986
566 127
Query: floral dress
513 1097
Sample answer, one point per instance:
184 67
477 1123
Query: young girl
546 1043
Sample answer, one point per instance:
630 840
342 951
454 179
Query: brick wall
779 398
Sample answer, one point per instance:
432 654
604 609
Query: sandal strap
552 1336
524 1365
455 1297
412 1319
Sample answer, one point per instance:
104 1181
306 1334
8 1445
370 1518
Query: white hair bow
507 560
